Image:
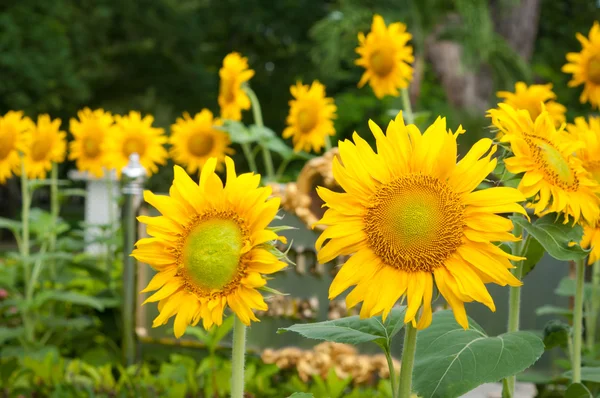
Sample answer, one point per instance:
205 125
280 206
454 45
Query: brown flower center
200 144
593 69
40 147
382 62
91 147
8 139
134 145
307 119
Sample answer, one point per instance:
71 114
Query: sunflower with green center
194 141
46 145
310 120
553 177
134 134
531 99
588 132
409 217
232 98
90 133
211 247
585 66
386 56
12 141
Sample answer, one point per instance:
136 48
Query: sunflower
588 132
210 247
310 120
232 99
531 99
12 141
553 177
408 216
196 140
385 55
585 66
134 134
90 133
46 145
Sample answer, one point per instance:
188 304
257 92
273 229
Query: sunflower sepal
271 290
554 236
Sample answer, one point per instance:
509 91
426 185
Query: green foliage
591 374
353 330
556 334
451 361
578 390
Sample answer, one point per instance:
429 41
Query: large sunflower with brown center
90 133
588 132
232 98
134 134
211 247
46 145
410 218
386 56
12 141
531 98
310 120
196 140
553 178
585 66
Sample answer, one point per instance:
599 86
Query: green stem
35 274
110 228
26 199
408 361
258 120
54 212
595 307
514 302
406 107
578 319
128 313
281 169
237 358
393 379
249 157
327 143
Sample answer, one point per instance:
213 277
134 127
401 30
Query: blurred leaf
587 374
566 288
556 334
556 237
7 334
66 297
301 395
73 192
12 225
553 310
578 390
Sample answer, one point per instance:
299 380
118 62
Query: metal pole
133 178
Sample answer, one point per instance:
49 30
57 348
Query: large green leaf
353 330
451 361
556 237
587 374
578 390
10 333
67 297
533 254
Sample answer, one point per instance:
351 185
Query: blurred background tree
163 56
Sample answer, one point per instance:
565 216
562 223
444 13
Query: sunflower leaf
353 330
557 238
452 361
578 390
591 374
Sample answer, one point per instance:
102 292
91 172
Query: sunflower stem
258 120
514 303
237 358
406 107
110 228
26 203
578 319
393 380
54 210
408 361
249 157
595 307
327 143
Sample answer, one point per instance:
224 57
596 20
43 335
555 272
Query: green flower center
593 69
555 166
8 139
307 119
134 145
212 252
414 223
382 62
200 144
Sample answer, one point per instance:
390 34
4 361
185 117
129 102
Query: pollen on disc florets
415 223
554 165
209 254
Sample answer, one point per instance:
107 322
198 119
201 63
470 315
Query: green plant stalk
237 358
26 199
111 229
578 319
408 361
514 304
249 157
258 120
54 211
406 107
128 314
327 143
35 274
592 320
393 379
